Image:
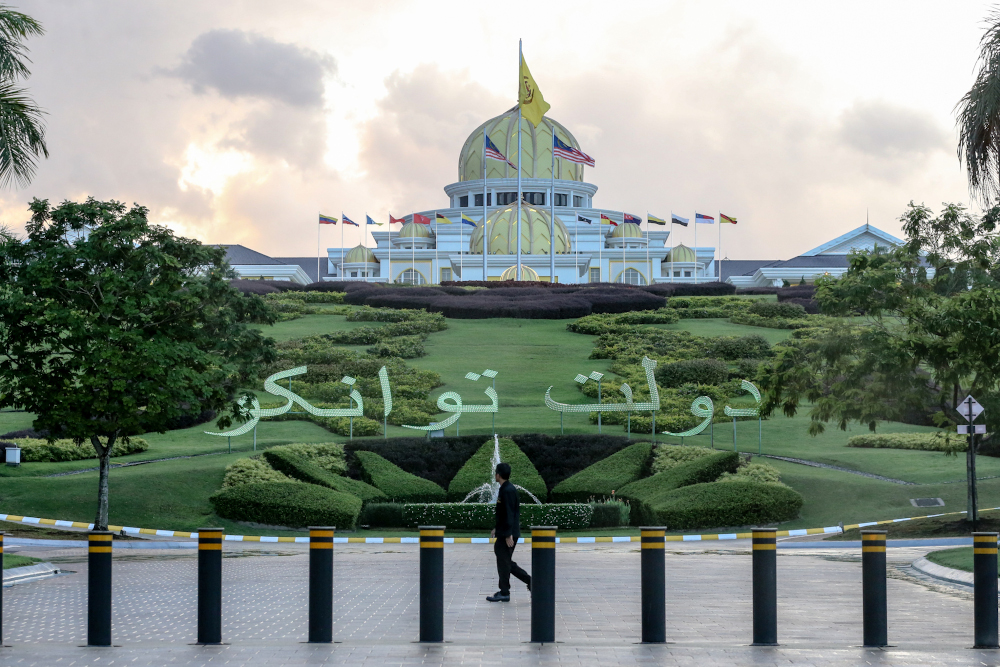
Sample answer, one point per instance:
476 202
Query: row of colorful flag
628 218
439 218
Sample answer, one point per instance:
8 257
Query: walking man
507 532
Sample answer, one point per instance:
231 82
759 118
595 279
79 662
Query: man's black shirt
508 511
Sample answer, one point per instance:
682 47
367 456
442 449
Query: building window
445 274
489 199
463 201
560 199
534 198
687 274
631 277
504 198
677 274
577 201
595 275
410 277
354 274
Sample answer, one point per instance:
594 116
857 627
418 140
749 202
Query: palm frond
978 119
22 137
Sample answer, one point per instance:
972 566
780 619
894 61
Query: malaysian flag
493 153
567 152
635 220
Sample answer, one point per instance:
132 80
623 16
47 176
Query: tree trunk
104 458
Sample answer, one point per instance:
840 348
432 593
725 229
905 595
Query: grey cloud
295 135
884 130
240 64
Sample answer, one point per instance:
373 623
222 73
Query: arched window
410 277
631 277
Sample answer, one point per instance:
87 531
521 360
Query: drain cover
926 502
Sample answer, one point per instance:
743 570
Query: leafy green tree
930 331
111 327
22 136
979 119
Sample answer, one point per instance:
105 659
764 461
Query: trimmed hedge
752 320
396 483
327 455
754 472
35 450
691 289
382 515
668 457
482 516
610 514
732 503
646 495
478 471
301 468
734 348
607 475
251 471
931 442
692 371
290 504
772 309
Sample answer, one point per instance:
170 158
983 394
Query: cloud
238 64
885 130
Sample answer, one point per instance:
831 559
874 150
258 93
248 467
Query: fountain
487 493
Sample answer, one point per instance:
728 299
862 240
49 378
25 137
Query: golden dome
628 230
413 230
502 224
527 273
360 255
681 253
536 147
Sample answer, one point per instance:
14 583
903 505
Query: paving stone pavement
598 615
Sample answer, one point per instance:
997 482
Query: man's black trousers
507 567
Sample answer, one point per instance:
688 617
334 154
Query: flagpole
552 209
600 249
695 248
413 253
486 237
343 274
388 277
649 267
576 244
318 228
670 236
520 83
719 275
436 251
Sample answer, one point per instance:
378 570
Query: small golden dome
360 255
627 230
502 225
527 273
681 253
413 230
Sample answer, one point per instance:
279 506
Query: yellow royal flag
533 105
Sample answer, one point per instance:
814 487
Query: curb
29 573
944 573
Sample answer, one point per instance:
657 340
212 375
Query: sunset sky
237 122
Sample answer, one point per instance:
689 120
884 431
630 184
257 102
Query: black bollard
876 624
209 585
99 588
321 584
654 587
1 588
984 561
543 584
765 587
431 583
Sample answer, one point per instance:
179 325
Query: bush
770 309
797 292
305 470
369 314
289 504
690 289
811 306
609 514
667 457
478 470
382 515
754 472
931 442
42 451
735 503
362 426
404 347
327 455
396 483
751 320
251 471
732 348
607 475
747 368
482 516
594 325
646 494
692 371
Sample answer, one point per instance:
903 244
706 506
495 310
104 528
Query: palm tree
22 135
978 115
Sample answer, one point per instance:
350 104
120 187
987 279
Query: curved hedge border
305 470
606 476
396 483
290 504
647 494
730 503
477 471
482 516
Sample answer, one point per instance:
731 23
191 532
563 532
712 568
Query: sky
238 122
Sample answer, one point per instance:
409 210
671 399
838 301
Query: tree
22 135
111 327
930 331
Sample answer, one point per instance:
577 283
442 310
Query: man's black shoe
498 597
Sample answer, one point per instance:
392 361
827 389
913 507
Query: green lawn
13 560
959 559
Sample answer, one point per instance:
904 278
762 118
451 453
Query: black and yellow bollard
1 588
765 587
210 585
321 584
543 584
876 624
984 561
431 583
654 587
99 588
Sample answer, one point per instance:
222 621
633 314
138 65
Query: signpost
970 409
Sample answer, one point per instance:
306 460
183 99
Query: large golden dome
536 149
502 225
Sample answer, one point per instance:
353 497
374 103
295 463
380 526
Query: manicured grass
958 559
945 526
13 560
14 421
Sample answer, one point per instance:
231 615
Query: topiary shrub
932 442
668 456
754 472
646 494
691 289
327 455
777 310
482 516
290 504
732 348
604 477
305 470
610 514
382 515
478 470
396 483
42 451
404 347
361 427
734 503
251 471
692 371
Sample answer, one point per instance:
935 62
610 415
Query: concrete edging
29 572
945 573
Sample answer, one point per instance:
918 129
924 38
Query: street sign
979 428
970 409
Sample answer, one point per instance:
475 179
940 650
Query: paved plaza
598 615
